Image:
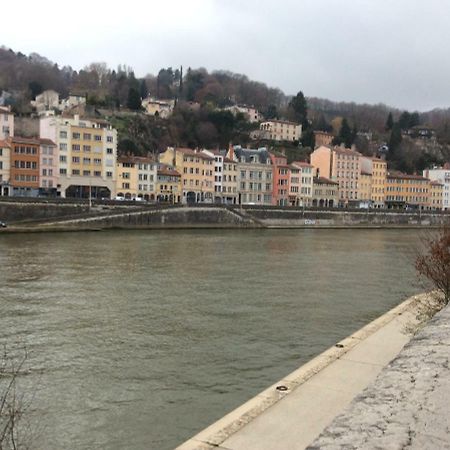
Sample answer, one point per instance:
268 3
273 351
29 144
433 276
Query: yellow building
168 185
407 191
197 173
87 150
365 188
127 178
436 195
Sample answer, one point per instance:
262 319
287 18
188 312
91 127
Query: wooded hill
117 93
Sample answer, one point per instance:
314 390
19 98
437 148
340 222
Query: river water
138 340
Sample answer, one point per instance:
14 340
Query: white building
250 112
6 122
87 152
443 176
161 108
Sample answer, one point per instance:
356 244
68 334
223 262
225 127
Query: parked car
2 224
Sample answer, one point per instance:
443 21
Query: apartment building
303 186
5 165
280 177
436 195
87 153
441 174
6 122
48 168
168 184
342 165
197 173
377 168
325 193
281 130
127 178
407 191
225 177
255 175
24 168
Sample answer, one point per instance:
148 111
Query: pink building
342 165
48 167
280 193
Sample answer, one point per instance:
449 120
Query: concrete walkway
294 411
408 406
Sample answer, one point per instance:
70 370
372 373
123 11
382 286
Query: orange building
280 193
403 191
24 159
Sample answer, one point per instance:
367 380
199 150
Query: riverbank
210 216
295 410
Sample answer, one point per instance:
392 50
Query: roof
405 176
45 141
301 164
249 153
5 110
22 140
363 172
437 183
135 159
346 151
228 160
190 152
323 180
165 169
286 122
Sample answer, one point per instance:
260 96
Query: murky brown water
138 340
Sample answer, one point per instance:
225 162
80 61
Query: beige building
250 112
161 108
342 165
300 184
48 167
255 175
87 152
323 138
197 173
436 195
46 101
6 123
5 169
168 185
281 130
325 193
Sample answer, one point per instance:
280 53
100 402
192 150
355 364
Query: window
75 172
86 148
76 147
109 174
76 159
76 135
97 137
86 160
63 158
109 139
63 171
87 136
109 151
63 134
86 173
63 146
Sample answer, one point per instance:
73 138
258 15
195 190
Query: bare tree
12 405
434 262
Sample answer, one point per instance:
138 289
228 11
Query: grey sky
390 51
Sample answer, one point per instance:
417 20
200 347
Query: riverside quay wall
46 216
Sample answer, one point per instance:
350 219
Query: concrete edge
215 434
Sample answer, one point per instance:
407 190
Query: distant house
323 138
46 101
281 130
250 112
161 108
420 132
72 100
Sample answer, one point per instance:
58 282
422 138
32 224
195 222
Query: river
139 339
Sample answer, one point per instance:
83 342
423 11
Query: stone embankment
379 388
407 407
41 216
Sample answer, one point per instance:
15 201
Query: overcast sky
367 51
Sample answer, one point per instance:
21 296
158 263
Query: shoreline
264 418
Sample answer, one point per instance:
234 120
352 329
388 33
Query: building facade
6 123
255 175
168 185
24 169
441 174
407 191
281 130
325 193
280 178
87 151
436 195
5 169
197 173
48 167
